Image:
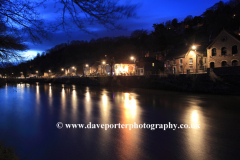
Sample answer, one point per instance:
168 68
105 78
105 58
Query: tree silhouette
104 12
22 19
9 46
175 22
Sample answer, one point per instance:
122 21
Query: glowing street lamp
132 58
36 71
49 71
86 65
62 69
194 48
75 70
104 69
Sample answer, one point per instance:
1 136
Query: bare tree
104 12
22 19
10 45
22 15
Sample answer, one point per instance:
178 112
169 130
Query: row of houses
188 59
220 53
123 67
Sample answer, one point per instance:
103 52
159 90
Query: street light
36 71
49 71
85 69
194 48
75 70
103 66
132 58
62 69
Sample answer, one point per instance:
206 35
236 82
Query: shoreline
196 83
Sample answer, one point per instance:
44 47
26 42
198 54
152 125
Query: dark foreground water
29 114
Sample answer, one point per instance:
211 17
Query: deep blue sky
149 12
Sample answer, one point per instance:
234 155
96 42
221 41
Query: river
29 114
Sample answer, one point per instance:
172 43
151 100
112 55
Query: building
91 69
71 71
46 74
124 67
148 66
32 75
223 51
186 59
104 68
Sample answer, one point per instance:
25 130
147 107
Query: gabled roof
234 36
181 51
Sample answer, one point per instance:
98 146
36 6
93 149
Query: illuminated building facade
124 69
185 60
224 50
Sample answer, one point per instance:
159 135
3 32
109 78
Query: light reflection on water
196 137
130 106
88 105
32 111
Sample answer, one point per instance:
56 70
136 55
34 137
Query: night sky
149 12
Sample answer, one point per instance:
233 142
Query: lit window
141 70
190 61
153 64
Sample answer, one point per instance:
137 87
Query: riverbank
199 83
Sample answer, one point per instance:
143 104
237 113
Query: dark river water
29 114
